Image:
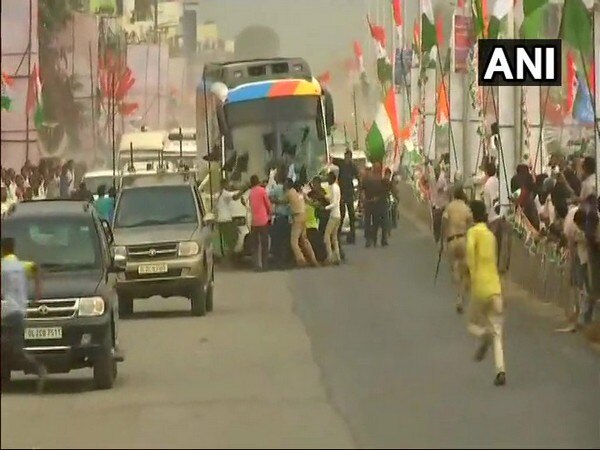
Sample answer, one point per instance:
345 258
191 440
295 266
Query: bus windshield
269 132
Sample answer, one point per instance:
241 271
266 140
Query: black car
74 323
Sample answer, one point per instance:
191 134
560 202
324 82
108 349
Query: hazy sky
319 30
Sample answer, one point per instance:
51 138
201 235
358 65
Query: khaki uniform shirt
457 218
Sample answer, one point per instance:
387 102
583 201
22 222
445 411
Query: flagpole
30 81
596 68
94 143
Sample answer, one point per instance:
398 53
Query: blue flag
583 109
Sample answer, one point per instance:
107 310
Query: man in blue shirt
14 307
104 204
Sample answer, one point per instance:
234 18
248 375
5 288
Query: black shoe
459 308
385 244
483 348
500 379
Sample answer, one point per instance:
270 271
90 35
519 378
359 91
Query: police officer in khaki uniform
456 220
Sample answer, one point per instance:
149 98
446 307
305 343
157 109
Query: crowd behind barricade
557 213
299 222
52 179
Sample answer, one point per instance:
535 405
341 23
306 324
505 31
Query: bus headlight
91 306
188 248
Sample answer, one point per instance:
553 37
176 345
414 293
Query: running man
486 305
14 309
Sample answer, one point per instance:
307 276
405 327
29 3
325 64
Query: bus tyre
105 366
198 300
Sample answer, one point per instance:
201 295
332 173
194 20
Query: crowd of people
51 179
296 223
561 206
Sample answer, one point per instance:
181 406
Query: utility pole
155 20
505 108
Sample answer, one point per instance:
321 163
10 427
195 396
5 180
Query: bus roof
144 140
272 89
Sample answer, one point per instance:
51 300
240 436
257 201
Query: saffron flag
443 111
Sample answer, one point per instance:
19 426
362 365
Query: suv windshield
56 243
155 205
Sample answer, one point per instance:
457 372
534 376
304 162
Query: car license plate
43 333
147 269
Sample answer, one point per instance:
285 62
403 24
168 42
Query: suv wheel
210 292
198 300
125 306
105 365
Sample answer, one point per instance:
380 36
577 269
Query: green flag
577 26
428 31
533 19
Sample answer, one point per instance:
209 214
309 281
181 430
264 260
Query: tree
257 41
60 107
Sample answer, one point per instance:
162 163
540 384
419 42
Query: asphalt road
397 360
370 354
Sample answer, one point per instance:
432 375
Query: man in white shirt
333 224
578 260
440 197
588 182
227 229
491 195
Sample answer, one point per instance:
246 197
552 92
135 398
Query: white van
145 147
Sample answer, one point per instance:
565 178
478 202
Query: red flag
398 19
571 83
417 34
357 49
377 33
439 29
127 109
325 77
592 77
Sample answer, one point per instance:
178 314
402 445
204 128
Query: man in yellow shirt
485 307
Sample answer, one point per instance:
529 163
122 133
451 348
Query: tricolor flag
497 21
7 83
34 97
384 129
384 66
